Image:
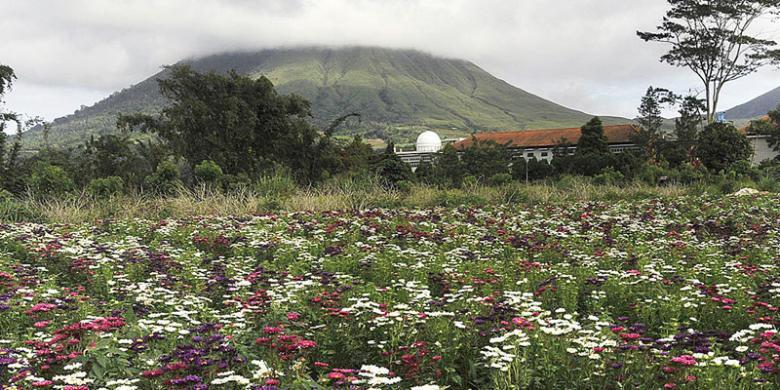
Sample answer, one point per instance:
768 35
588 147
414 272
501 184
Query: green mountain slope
398 92
757 107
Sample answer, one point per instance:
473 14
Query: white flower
426 387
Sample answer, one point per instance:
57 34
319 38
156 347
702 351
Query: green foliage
425 173
165 180
722 145
208 172
356 156
500 179
650 120
536 169
105 187
608 176
113 155
592 141
484 159
392 170
50 180
449 170
242 124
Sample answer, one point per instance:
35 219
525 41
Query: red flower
152 373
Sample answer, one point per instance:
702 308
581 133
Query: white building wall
761 149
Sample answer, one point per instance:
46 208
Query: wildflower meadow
657 293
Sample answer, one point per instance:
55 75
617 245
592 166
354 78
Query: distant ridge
398 92
756 107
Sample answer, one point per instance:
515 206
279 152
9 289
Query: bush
688 174
721 146
608 176
106 186
208 171
165 180
50 180
279 184
500 179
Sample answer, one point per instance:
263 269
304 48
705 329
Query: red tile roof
618 134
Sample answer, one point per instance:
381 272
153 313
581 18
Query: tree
712 38
686 131
650 120
722 145
356 156
486 158
242 124
112 155
592 138
592 154
391 169
448 167
9 178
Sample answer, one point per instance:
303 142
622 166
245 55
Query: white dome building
428 142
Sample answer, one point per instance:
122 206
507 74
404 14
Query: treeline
229 132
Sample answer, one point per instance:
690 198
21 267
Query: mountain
756 107
398 92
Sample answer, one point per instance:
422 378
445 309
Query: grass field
664 290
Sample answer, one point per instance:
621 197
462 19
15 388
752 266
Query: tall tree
593 154
448 168
242 124
8 158
688 124
650 120
713 39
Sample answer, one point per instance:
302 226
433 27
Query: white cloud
580 53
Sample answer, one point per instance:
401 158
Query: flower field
675 293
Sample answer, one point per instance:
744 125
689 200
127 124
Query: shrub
500 179
279 184
688 174
608 176
50 180
208 171
106 186
721 146
165 180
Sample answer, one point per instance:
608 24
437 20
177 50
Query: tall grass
276 194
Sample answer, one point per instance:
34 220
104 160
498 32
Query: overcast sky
583 54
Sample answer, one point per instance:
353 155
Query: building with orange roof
544 144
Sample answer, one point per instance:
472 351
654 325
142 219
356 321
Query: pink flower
630 336
307 344
41 324
685 360
293 316
335 375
